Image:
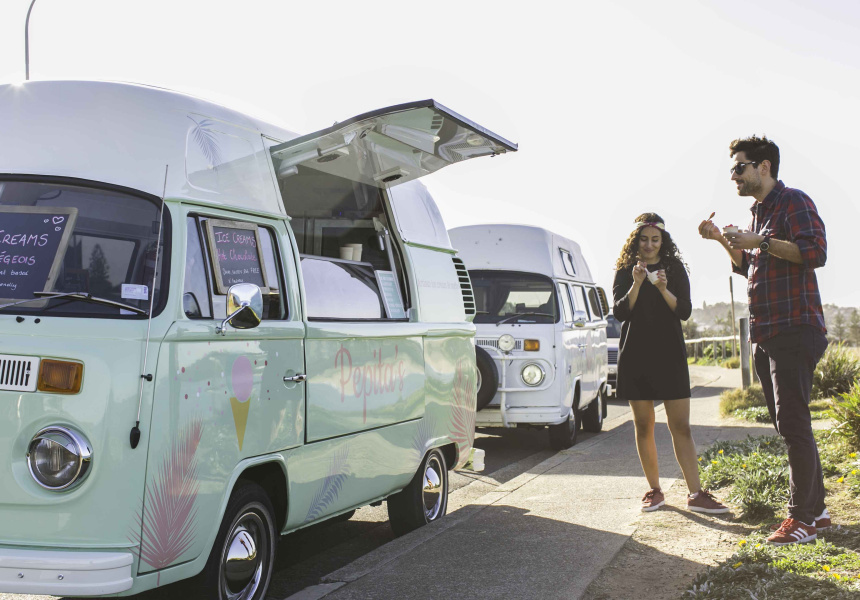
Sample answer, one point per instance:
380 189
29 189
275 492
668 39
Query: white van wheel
241 562
424 500
592 416
564 434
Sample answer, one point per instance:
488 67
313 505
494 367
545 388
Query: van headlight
507 343
59 458
532 374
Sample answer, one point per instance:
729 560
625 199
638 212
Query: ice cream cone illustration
243 384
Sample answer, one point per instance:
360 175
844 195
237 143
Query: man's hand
743 240
640 271
709 231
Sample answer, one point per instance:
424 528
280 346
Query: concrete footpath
548 533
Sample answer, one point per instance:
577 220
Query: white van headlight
59 458
532 374
507 343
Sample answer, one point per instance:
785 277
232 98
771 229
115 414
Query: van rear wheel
240 564
563 435
424 500
592 416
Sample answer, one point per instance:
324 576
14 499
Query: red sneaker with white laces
792 531
821 522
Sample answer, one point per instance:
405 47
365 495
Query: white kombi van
541 330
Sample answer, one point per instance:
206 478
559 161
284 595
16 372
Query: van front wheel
592 416
240 564
424 500
563 435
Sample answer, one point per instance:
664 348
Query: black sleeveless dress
652 358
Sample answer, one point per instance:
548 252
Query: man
779 253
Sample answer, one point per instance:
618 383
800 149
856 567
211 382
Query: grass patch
754 474
818 410
732 400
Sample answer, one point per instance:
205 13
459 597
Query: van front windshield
78 251
513 297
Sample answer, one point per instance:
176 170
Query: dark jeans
784 365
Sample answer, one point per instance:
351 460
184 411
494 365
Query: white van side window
596 313
565 302
341 290
567 260
579 301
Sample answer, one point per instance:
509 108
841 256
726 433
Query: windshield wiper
524 314
85 296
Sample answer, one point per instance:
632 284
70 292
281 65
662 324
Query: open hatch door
390 146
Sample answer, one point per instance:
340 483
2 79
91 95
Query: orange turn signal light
60 377
531 345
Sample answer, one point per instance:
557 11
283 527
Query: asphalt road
309 554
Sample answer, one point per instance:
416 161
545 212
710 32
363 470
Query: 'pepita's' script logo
380 377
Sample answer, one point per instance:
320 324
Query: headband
659 226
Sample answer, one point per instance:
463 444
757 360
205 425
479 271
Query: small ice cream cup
653 277
730 229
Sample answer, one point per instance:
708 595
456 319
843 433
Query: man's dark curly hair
670 256
758 149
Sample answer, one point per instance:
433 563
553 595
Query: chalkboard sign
235 250
33 241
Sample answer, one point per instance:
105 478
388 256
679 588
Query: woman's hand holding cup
660 281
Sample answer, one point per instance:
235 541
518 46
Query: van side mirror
580 317
244 307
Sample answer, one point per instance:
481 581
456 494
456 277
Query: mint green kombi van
215 332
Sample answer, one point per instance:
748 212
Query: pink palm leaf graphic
167 521
462 427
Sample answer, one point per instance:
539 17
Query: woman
652 296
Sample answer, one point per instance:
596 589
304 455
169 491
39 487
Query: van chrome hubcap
242 565
432 490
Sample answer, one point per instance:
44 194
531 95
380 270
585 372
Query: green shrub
732 363
836 372
756 414
732 400
846 413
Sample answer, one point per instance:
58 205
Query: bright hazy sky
618 107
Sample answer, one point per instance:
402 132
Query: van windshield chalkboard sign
235 250
33 242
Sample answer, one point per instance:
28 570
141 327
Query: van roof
519 248
124 134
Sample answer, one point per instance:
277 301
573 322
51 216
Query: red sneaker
653 500
792 531
821 522
705 502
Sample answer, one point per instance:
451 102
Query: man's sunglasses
738 169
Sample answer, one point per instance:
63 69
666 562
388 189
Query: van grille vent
465 287
18 373
494 343
613 357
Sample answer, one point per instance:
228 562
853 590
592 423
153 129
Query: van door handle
297 378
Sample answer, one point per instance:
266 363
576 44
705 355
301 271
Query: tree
99 273
839 328
854 328
691 329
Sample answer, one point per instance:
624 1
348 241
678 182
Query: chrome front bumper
60 573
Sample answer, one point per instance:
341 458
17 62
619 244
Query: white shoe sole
809 538
711 511
653 508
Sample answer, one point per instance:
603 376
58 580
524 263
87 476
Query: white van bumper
59 573
491 416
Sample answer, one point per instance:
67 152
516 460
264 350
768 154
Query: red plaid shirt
782 293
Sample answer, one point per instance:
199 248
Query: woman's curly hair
669 253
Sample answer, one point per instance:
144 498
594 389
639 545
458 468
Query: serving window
350 265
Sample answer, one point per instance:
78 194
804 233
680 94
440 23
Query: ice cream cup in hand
653 277
730 229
